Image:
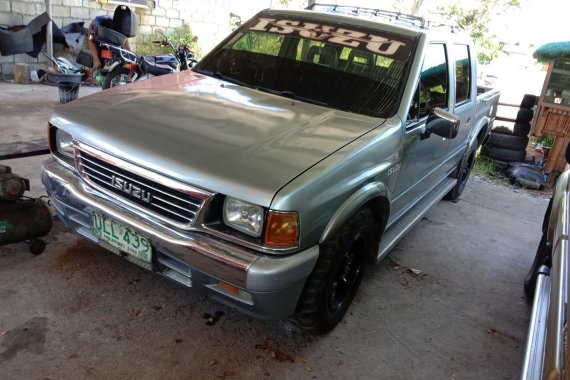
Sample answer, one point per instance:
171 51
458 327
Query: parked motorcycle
123 66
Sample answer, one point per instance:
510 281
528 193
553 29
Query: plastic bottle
99 78
122 81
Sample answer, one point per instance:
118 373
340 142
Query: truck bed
487 103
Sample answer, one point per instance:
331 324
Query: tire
543 257
512 142
502 130
529 101
501 165
463 171
519 129
113 77
506 155
337 274
532 275
524 116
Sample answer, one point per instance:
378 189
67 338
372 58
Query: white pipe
49 34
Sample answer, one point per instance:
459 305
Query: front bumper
269 286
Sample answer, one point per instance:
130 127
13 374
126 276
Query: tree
475 21
416 7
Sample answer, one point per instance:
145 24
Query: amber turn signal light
282 229
230 288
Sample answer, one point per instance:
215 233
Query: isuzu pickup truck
294 155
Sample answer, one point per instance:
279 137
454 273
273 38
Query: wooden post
22 73
557 157
49 30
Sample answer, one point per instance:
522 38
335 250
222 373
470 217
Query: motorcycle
123 66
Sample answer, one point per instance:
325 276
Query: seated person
104 21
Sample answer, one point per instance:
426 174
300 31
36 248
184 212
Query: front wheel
338 273
113 77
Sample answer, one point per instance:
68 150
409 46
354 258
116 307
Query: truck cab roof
390 21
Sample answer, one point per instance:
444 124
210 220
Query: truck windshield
348 68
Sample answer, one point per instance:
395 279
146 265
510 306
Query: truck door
423 159
465 95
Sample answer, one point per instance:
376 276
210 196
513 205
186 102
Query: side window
462 73
433 87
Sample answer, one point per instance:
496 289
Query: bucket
68 91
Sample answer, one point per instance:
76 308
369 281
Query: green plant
484 166
179 36
475 21
547 141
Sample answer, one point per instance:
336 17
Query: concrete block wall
21 12
209 20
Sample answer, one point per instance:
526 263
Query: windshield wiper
292 95
219 75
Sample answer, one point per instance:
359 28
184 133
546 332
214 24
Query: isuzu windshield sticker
352 38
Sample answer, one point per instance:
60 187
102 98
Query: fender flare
352 204
485 122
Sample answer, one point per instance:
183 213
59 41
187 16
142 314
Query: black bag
125 21
84 58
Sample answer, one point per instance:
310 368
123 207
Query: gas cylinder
26 219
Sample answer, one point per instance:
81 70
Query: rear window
348 68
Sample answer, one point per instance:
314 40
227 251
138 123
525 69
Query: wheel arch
481 135
374 195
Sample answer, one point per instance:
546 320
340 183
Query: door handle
468 122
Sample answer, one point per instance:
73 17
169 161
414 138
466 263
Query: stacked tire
509 144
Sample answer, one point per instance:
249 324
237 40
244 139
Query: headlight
243 216
64 143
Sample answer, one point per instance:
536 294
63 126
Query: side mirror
442 123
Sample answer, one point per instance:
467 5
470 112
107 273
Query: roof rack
432 24
379 13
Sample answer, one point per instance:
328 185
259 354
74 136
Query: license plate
122 238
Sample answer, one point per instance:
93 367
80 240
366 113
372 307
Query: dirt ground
78 311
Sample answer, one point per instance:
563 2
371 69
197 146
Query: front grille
174 205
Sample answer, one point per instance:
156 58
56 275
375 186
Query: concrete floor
24 113
78 311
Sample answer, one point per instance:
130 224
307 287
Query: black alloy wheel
338 272
348 277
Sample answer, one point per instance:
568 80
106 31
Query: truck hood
211 134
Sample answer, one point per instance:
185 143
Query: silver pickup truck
294 155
